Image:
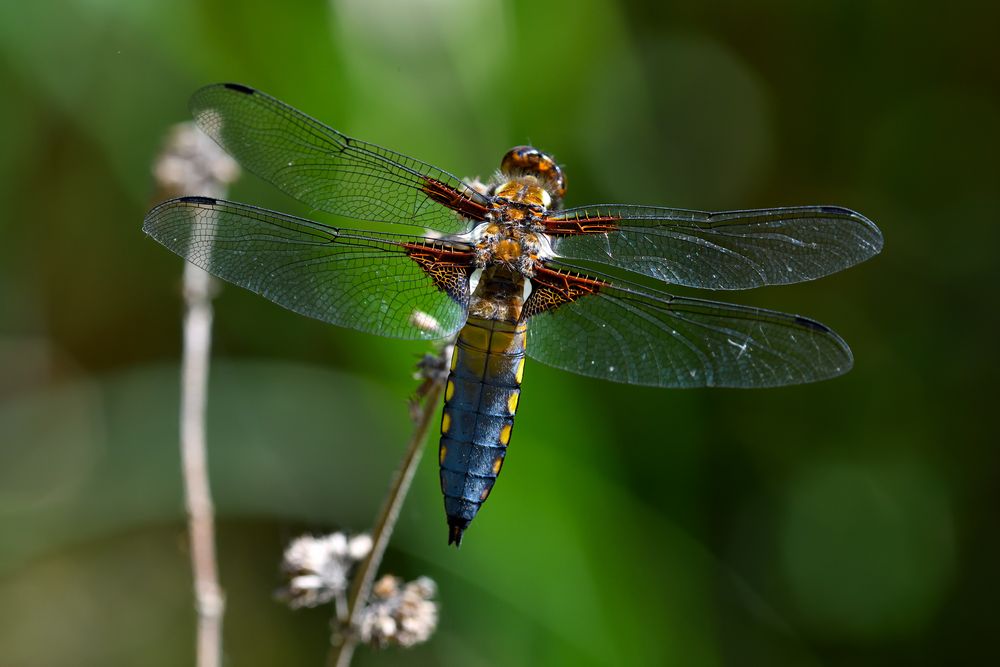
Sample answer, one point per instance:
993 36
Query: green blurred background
851 522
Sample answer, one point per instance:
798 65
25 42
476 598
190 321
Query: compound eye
522 160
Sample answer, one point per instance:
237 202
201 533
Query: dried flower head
318 567
399 614
191 163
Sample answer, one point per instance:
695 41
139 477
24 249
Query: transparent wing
728 250
328 170
362 280
637 336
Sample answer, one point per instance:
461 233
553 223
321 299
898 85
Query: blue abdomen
480 401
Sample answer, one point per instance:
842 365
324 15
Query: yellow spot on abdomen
445 422
442 452
497 463
520 371
449 390
512 402
505 434
454 358
502 341
475 337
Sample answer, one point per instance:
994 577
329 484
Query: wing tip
875 240
819 327
197 199
844 363
812 324
204 97
239 88
153 216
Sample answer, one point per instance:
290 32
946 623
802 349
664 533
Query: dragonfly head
529 161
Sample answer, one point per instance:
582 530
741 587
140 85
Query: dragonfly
504 270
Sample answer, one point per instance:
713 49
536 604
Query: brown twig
340 655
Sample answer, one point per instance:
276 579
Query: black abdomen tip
240 88
456 527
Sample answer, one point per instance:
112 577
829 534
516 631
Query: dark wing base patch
449 197
552 288
449 268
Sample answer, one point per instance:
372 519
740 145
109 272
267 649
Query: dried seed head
192 164
318 567
399 614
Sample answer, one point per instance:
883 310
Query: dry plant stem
340 607
191 163
209 598
340 656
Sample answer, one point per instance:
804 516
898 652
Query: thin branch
340 656
209 598
191 163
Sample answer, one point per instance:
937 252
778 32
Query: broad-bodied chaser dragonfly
495 265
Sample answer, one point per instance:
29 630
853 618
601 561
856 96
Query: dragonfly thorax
499 294
516 247
514 235
521 197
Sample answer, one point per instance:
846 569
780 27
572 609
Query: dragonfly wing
328 170
728 250
625 333
393 285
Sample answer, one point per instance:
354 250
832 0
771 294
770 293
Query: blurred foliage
847 523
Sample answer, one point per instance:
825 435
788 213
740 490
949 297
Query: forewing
388 284
728 250
629 334
328 170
